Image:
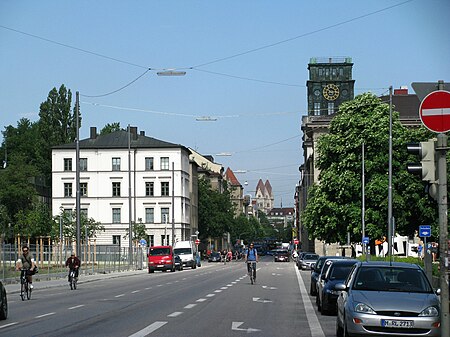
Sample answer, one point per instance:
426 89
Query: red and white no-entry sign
197 242
434 111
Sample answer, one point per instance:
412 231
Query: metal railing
51 260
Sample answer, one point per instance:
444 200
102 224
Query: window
67 189
116 240
116 164
149 163
165 215
164 240
149 215
151 240
116 215
317 109
83 164
116 189
165 189
149 189
330 108
83 189
164 163
67 164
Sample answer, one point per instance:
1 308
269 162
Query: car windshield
159 251
182 250
393 279
311 257
340 272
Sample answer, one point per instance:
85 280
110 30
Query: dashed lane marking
76 307
175 314
45 315
190 306
7 325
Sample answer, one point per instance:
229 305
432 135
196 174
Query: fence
51 260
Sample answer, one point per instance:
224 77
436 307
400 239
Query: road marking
76 307
149 329
136 291
120 295
190 306
210 295
7 325
148 288
201 300
224 288
267 287
160 285
175 314
257 299
218 291
236 325
229 285
313 321
44 315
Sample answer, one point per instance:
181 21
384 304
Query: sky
245 62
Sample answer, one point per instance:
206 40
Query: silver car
387 299
307 260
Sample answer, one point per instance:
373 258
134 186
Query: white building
159 190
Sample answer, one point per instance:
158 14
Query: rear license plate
389 323
160 265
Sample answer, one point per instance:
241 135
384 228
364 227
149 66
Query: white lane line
175 314
160 285
135 291
47 314
313 321
76 307
148 288
190 306
224 288
229 285
210 295
201 300
120 295
7 325
149 329
218 291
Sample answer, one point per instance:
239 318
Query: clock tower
330 83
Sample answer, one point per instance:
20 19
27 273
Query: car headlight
430 312
364 309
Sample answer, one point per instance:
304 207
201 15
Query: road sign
197 242
366 240
425 231
434 111
143 242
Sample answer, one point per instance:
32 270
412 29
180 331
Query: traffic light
427 167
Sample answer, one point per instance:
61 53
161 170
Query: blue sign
425 231
143 242
366 240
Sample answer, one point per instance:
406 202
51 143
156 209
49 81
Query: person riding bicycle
73 263
27 264
252 255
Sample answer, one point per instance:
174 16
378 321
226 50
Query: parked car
282 255
337 272
387 298
215 257
178 262
315 271
3 302
187 252
160 258
307 260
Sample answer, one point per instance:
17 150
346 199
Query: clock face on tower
331 92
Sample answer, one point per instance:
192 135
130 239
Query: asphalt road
213 300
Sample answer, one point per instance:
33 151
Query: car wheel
4 307
324 307
339 330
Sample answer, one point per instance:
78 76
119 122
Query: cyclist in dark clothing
73 263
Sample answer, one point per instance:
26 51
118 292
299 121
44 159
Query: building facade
126 177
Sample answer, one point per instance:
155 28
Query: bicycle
251 267
72 280
25 289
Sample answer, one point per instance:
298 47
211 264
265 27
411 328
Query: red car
160 258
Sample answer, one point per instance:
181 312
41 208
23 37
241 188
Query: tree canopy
334 205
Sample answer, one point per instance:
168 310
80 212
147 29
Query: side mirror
438 291
340 286
313 265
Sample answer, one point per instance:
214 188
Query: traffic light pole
441 150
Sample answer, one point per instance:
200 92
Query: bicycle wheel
74 281
28 290
71 282
22 290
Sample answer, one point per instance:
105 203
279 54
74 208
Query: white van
187 252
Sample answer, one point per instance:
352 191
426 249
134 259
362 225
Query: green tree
215 210
88 226
110 128
138 230
334 205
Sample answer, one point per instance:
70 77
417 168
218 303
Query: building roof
119 140
230 177
281 211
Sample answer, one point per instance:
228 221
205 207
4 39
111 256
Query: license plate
390 323
160 265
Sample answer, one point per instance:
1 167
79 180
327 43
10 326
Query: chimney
93 134
142 133
133 131
402 91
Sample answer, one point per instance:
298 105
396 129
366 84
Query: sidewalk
62 282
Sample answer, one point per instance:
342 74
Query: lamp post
77 174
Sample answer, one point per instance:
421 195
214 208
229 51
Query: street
214 300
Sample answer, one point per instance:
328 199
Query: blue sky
246 64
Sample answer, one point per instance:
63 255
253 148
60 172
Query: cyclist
73 263
252 255
27 264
